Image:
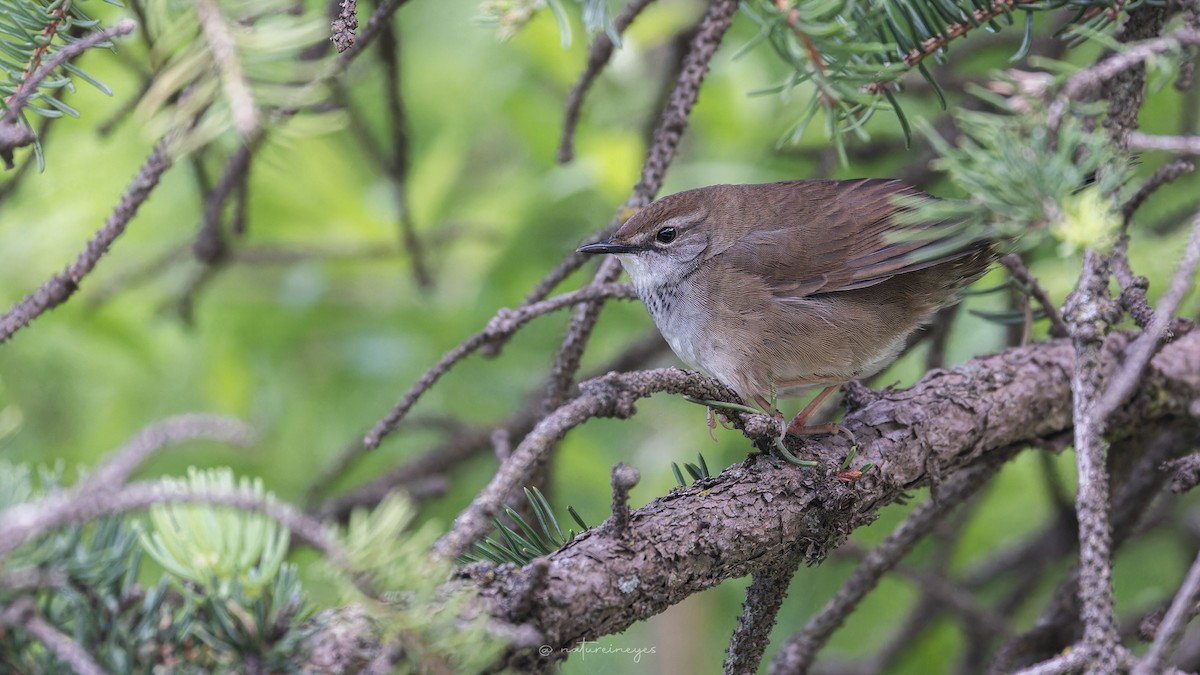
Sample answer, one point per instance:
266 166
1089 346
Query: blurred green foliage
314 352
202 621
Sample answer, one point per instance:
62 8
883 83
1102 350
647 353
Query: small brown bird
779 288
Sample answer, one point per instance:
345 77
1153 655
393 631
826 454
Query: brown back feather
827 236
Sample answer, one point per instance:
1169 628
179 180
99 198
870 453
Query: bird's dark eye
665 235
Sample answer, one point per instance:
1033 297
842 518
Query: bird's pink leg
799 425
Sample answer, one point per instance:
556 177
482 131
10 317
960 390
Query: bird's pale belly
739 361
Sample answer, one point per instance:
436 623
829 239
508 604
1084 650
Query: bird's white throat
682 322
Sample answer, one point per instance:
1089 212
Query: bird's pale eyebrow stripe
684 219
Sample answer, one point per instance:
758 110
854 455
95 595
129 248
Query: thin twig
22 615
1016 267
667 136
1167 173
357 125
29 520
957 598
1058 624
379 18
210 247
118 465
939 594
579 330
611 395
109 287
764 596
344 25
1183 145
185 306
1054 540
946 536
673 122
62 286
792 16
242 108
598 55
437 460
472 441
57 15
1182 609
397 166
246 255
1089 313
561 271
1133 286
1122 384
502 326
1131 57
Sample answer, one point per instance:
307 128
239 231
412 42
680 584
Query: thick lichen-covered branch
696 537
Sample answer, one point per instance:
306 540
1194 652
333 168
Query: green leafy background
312 353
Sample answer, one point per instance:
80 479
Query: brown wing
839 236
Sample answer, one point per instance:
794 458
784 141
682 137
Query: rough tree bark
725 527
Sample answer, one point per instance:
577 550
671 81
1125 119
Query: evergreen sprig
218 549
415 607
510 16
31 32
526 542
1024 177
227 65
854 52
38 40
697 471
225 600
849 56
85 584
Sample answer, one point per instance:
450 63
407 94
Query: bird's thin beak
608 246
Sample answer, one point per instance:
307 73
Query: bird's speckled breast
682 323
682 310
